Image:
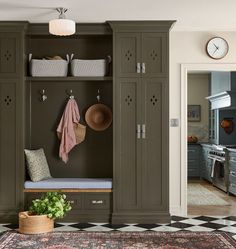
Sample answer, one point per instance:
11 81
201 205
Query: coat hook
43 95
98 96
71 94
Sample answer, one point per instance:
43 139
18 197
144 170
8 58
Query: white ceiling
191 15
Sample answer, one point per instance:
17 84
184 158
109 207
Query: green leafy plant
53 204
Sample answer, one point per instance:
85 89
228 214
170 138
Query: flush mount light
61 26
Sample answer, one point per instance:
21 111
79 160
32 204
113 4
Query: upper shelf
70 78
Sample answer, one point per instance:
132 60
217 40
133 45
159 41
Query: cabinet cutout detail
8 55
153 100
128 100
128 55
153 55
8 100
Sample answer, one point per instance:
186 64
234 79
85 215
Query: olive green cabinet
11 119
141 53
140 166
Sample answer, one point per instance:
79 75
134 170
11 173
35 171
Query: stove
219 167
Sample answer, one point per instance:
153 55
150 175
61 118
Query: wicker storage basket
89 67
34 224
48 68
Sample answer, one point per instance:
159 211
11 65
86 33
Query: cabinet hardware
143 67
138 67
143 131
138 131
191 150
97 201
72 202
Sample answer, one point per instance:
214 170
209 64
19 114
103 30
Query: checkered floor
194 223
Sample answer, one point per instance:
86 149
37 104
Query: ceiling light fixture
62 26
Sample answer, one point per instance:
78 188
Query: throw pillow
37 165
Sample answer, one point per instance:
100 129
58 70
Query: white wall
198 90
187 47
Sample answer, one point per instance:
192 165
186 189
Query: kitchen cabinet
206 163
11 119
194 160
141 122
231 156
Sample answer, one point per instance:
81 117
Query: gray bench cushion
71 183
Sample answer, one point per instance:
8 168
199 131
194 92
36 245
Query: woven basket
34 224
91 68
48 68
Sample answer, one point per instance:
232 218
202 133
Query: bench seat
70 183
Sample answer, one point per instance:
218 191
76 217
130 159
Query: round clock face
217 48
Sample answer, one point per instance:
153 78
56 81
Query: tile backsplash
201 131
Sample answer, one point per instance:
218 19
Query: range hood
223 100
223 90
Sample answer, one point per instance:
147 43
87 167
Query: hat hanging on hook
98 116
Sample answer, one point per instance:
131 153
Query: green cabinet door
127 156
154 54
128 54
154 145
9 54
9 170
141 54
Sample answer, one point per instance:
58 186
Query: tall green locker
11 118
141 121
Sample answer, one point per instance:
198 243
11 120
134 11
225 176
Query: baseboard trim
141 218
86 218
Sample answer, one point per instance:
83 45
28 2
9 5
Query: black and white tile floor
193 223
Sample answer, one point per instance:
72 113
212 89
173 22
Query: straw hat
98 117
80 131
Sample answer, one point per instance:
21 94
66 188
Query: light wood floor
214 210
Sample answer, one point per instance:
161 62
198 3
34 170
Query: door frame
185 69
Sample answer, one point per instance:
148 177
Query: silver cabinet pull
138 67
143 131
138 131
97 201
143 67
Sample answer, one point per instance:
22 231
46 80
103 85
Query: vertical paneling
9 56
152 167
128 54
128 149
8 198
154 54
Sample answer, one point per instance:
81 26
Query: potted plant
42 213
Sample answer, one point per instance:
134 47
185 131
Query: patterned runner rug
117 240
199 195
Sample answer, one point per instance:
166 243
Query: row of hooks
70 93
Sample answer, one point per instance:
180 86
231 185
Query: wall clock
217 48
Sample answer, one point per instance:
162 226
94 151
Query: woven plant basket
34 224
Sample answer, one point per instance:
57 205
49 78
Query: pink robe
65 129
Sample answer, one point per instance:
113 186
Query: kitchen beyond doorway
220 210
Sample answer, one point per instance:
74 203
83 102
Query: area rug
117 240
199 195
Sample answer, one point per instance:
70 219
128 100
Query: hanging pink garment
65 129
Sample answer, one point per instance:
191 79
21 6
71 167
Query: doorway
185 69
206 195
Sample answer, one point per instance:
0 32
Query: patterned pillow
37 165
